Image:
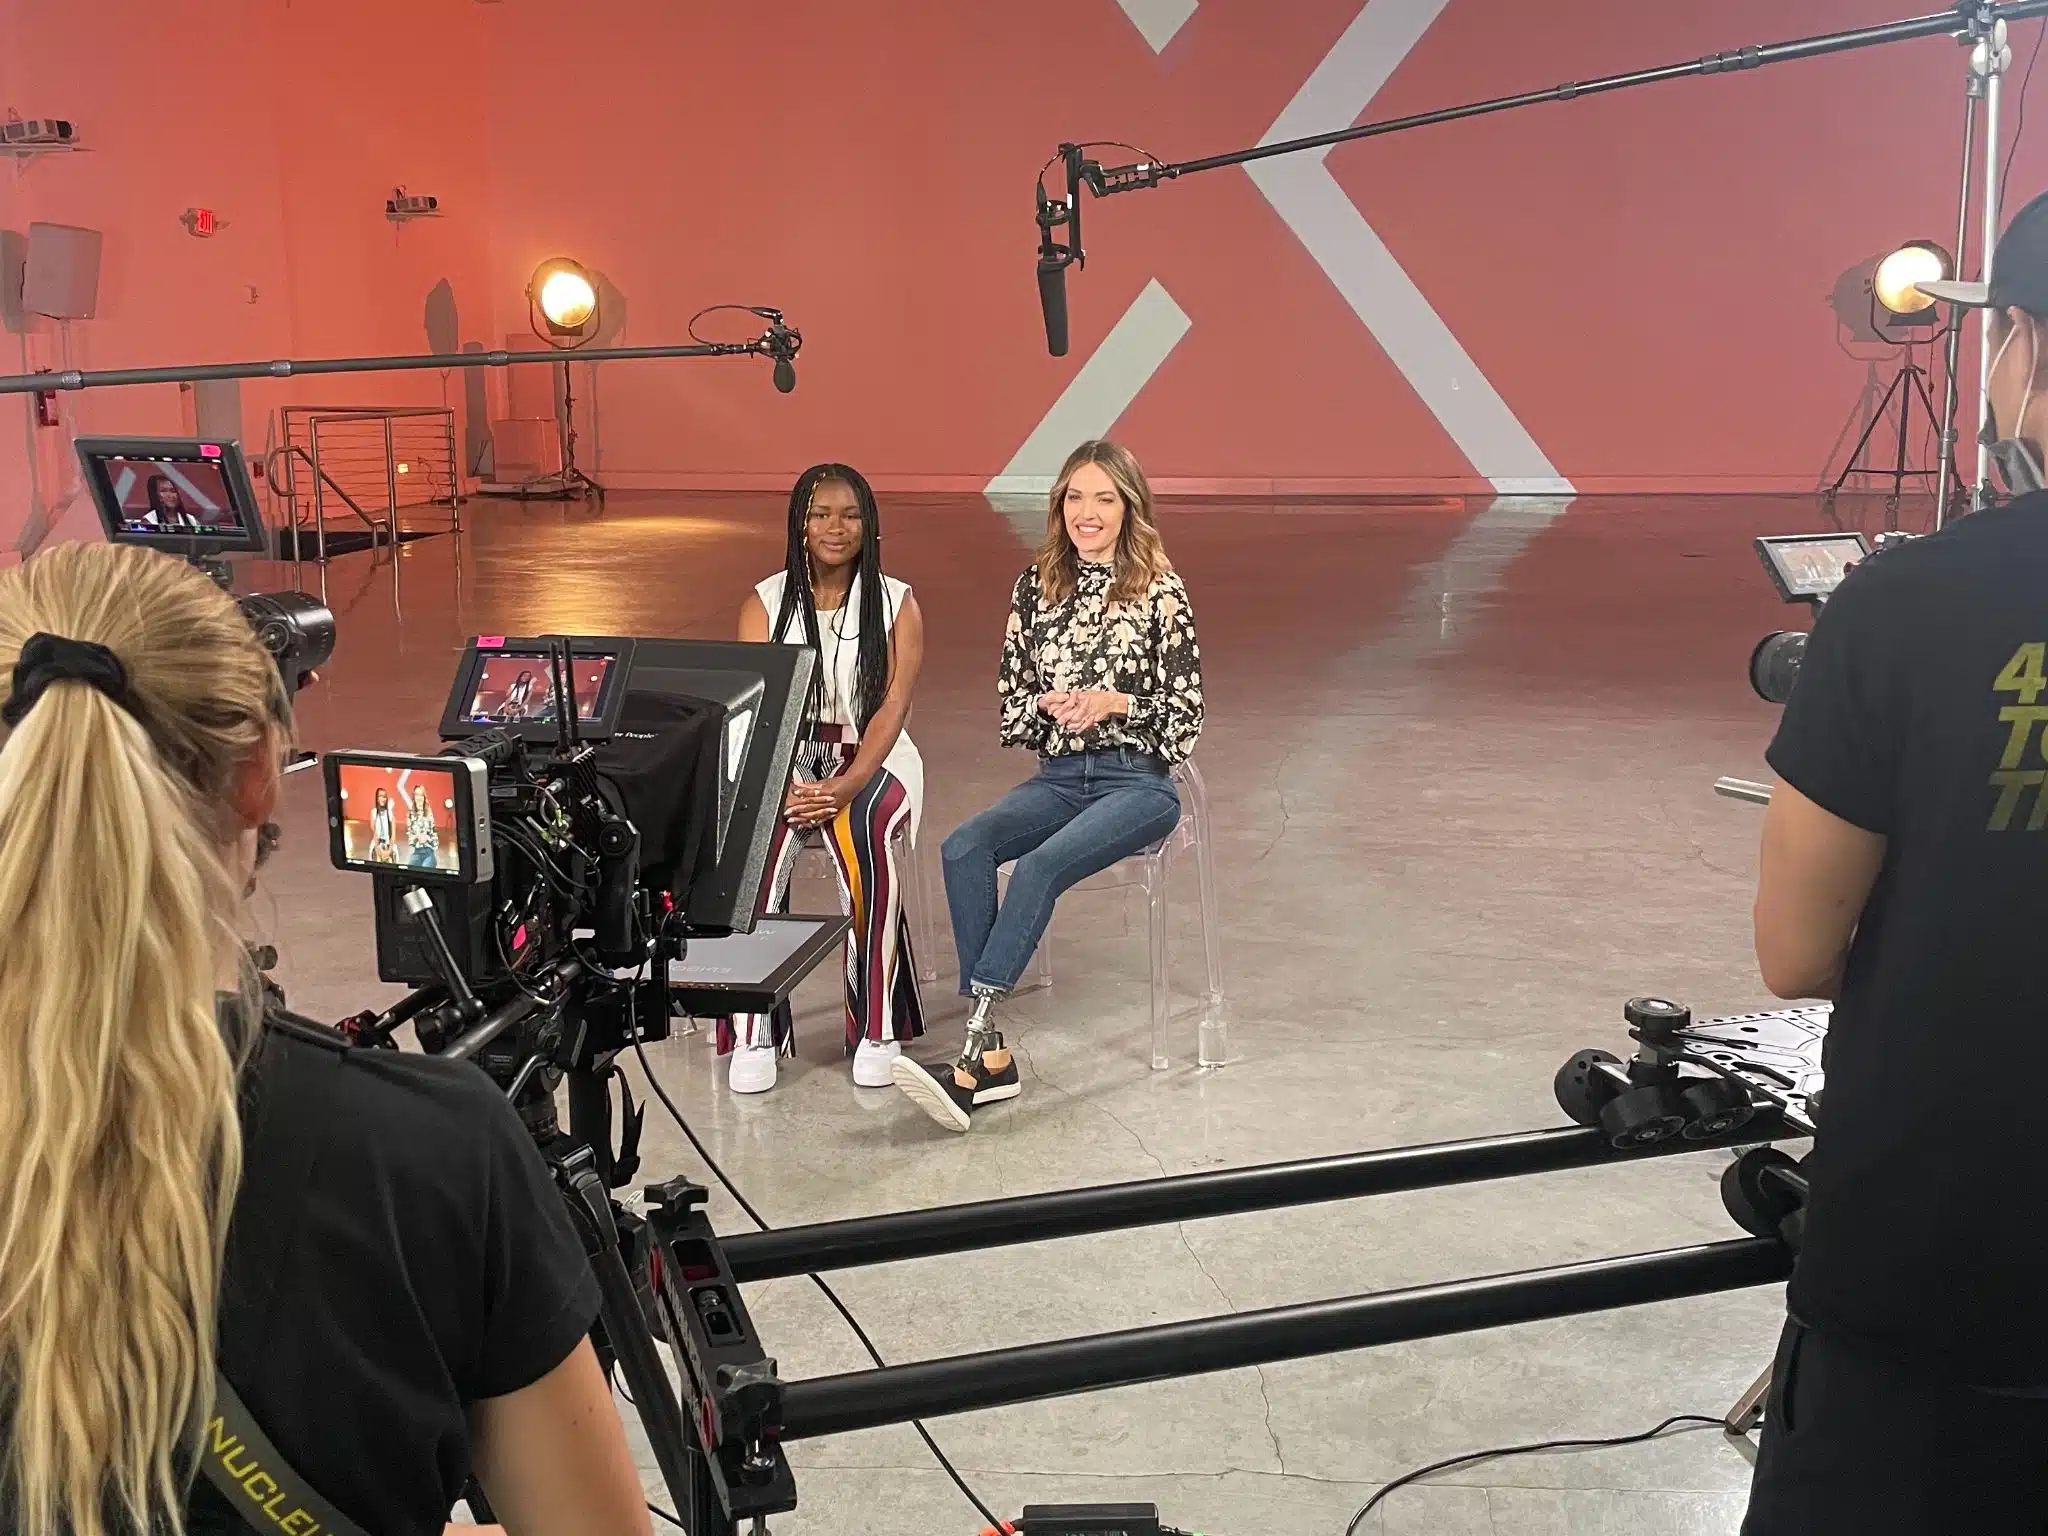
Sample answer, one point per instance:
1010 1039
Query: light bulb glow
567 299
1896 276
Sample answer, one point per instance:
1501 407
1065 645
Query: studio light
565 298
561 304
1908 319
1894 282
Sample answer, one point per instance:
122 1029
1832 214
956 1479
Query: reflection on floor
1459 757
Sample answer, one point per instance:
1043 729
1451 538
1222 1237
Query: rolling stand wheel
1582 1092
1715 1107
1757 1200
1643 1116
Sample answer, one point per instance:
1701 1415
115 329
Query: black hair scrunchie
48 659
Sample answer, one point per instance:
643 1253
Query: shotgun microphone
1052 297
781 343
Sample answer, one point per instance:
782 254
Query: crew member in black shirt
366 1243
1904 874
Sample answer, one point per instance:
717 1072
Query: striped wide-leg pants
866 840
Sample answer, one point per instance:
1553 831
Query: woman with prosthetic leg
1102 677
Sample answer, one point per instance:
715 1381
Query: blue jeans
1080 815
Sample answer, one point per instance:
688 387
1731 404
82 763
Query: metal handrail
294 451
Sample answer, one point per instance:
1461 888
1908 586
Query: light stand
1981 24
1908 384
575 483
571 484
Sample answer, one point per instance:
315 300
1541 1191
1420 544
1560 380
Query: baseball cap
2019 269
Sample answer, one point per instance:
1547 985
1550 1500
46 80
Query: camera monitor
424 819
1807 567
185 495
507 683
759 692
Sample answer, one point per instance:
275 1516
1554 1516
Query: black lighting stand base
1908 384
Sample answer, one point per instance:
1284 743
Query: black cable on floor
671 1519
832 1296
1690 1420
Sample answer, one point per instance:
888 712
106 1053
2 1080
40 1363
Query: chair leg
927 917
1158 927
1214 1048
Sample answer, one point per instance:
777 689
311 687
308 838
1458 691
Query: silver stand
1946 472
1990 56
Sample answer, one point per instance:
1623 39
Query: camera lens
1774 665
296 628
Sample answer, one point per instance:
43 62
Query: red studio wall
1620 293
1643 279
294 123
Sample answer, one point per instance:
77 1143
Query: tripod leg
1891 520
1869 431
1955 479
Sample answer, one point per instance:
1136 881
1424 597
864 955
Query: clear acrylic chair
1149 870
814 857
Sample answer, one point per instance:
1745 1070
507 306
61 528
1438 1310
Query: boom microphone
1052 299
781 343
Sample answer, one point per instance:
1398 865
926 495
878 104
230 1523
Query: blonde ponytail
118 925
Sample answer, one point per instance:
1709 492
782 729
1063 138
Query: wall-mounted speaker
61 278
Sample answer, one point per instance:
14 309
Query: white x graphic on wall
1336 234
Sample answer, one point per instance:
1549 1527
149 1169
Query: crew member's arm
906 657
1813 877
546 1441
553 1456
1837 755
1017 680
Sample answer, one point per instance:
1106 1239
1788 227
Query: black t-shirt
424 1262
1921 713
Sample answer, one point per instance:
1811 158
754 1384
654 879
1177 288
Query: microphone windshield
785 375
1052 299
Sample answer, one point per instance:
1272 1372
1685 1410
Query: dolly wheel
1583 1090
1758 1202
1714 1107
1643 1116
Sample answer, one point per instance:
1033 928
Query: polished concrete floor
1459 757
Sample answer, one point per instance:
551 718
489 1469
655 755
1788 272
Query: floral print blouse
1145 649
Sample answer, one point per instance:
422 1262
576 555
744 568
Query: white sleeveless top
839 686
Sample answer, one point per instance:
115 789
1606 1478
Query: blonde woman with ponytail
365 1243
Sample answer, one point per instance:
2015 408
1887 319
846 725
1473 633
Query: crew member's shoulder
420 1101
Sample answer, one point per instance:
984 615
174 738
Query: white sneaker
874 1061
752 1069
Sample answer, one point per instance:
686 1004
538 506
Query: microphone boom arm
779 342
1106 181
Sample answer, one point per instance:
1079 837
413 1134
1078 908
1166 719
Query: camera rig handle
419 904
733 1396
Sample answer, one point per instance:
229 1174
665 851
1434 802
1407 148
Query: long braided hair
872 657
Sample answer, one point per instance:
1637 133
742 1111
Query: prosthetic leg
984 1073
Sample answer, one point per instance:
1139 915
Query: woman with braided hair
859 781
